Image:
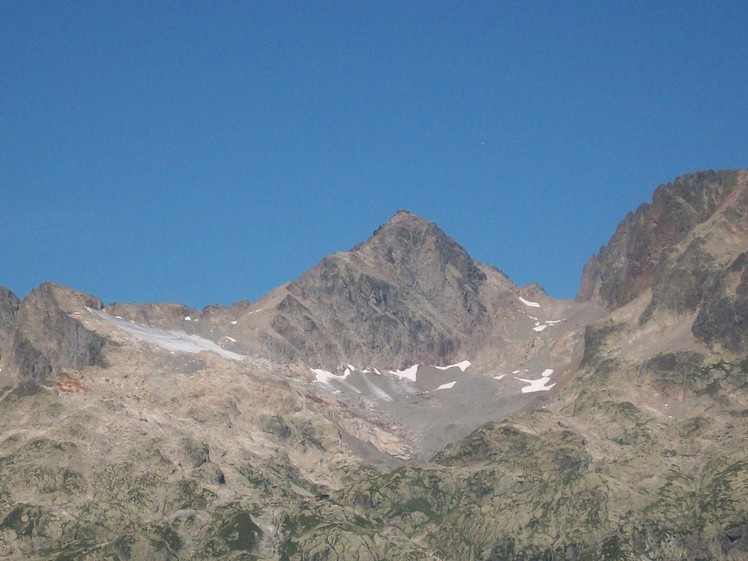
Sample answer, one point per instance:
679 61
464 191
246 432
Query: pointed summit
401 221
419 252
408 294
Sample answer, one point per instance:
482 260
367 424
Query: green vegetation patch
231 530
22 519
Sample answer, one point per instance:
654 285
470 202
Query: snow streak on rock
168 339
447 386
461 365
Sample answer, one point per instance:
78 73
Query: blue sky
206 152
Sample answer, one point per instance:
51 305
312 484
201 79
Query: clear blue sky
206 152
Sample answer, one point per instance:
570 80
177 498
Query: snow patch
528 303
547 323
230 338
323 375
539 385
187 318
461 365
409 373
447 386
233 322
168 339
499 377
326 377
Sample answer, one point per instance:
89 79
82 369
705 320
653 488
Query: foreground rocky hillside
398 401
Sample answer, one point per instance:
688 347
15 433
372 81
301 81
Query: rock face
410 294
647 241
688 249
45 339
177 434
9 303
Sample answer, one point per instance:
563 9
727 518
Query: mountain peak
401 240
409 294
401 219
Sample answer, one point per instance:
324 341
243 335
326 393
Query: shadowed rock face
8 306
9 303
688 248
46 340
645 243
408 294
723 317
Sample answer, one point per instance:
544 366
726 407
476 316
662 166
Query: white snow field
171 340
408 373
326 377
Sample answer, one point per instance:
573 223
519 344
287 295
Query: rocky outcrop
9 303
164 315
664 237
46 340
723 317
687 250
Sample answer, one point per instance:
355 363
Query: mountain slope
410 294
643 455
135 431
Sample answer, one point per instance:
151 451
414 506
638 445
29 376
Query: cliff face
41 337
9 303
688 249
637 255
